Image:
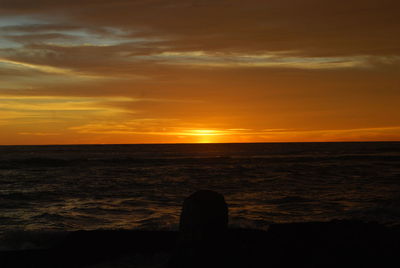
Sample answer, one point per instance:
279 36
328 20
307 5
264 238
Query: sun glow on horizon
204 135
204 132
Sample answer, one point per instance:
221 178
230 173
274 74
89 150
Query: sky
185 71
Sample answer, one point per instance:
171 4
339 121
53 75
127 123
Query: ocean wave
384 211
290 199
27 196
157 160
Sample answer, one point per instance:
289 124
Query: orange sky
152 71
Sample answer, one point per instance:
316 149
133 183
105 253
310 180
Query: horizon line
199 143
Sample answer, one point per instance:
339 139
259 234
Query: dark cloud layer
309 27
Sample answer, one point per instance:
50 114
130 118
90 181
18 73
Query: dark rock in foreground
204 217
317 244
203 232
205 241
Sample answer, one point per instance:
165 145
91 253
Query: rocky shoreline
204 240
315 244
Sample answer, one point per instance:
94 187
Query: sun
205 132
204 135
205 139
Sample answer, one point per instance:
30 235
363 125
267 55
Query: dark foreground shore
314 244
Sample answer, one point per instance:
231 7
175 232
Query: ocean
88 187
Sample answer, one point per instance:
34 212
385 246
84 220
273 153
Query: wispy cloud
34 110
278 60
46 68
39 133
41 68
181 70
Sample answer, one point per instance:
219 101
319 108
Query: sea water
87 187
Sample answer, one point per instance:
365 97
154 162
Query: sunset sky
179 71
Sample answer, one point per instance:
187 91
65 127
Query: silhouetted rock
204 217
203 232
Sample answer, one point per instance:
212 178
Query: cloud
38 28
41 68
310 27
40 111
139 38
358 134
209 65
157 128
38 133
